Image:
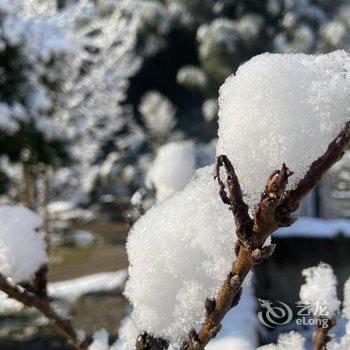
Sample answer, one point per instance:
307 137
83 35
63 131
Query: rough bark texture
27 298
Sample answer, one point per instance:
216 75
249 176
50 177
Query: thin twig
274 211
243 221
318 168
64 325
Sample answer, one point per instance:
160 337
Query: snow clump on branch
22 251
179 253
282 108
278 108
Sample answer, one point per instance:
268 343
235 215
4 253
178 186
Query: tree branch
318 168
243 221
320 336
27 298
273 211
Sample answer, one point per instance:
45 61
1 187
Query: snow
158 113
180 251
210 109
9 306
172 169
346 305
239 328
22 251
315 227
74 288
287 341
281 108
7 123
60 207
319 291
344 344
100 340
136 199
128 334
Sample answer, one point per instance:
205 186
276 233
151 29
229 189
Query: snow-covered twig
274 211
64 325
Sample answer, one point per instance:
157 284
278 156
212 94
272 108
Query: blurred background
109 106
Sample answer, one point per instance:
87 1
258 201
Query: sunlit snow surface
282 108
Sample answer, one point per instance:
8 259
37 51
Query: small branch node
235 281
215 330
209 305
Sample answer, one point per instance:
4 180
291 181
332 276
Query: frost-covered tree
36 63
172 54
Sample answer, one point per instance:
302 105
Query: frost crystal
319 292
282 108
179 253
22 251
172 169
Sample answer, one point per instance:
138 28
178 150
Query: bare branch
273 211
32 300
320 336
239 208
318 168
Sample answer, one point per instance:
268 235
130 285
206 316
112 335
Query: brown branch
320 336
318 168
243 221
64 325
273 211
147 342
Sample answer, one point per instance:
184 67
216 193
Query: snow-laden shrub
319 292
22 251
282 108
158 114
172 169
37 60
191 77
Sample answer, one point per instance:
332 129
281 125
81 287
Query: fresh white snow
172 169
22 250
319 291
282 108
179 254
74 288
287 341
